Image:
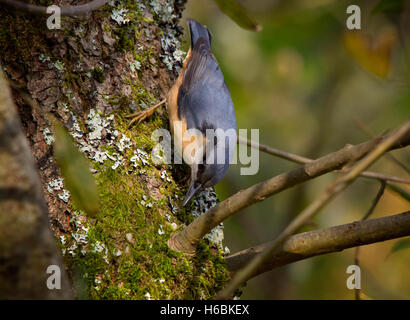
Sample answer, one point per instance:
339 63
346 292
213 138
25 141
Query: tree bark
27 245
90 74
186 240
309 244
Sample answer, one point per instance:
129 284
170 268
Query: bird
200 100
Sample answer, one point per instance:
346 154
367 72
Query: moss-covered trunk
90 74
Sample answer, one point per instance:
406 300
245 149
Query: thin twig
274 152
384 177
306 215
189 237
375 200
65 11
308 244
303 160
400 191
367 215
369 134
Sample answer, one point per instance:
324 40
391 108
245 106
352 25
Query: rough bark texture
27 246
90 74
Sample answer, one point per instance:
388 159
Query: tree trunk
89 74
29 259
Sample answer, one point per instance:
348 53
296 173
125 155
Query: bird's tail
197 31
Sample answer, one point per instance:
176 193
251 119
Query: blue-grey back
204 100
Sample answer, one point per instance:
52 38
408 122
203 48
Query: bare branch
367 215
275 152
375 200
334 239
307 214
187 239
65 11
303 160
384 177
400 191
369 134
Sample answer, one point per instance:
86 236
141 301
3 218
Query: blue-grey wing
198 31
204 101
203 98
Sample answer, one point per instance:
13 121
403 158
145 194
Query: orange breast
172 109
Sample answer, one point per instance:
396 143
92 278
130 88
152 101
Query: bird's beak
190 193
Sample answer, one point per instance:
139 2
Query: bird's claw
139 116
142 115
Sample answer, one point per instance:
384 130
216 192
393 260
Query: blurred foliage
401 245
238 14
372 54
75 170
385 6
302 86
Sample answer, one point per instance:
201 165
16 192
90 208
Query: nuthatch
200 100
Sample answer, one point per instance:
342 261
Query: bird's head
216 153
204 176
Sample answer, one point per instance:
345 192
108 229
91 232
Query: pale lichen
59 65
48 136
172 56
58 185
120 16
135 65
202 203
122 253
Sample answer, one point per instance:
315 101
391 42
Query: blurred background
307 83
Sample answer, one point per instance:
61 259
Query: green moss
145 265
123 252
98 74
17 33
126 38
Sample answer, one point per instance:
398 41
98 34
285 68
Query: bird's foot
185 180
142 115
